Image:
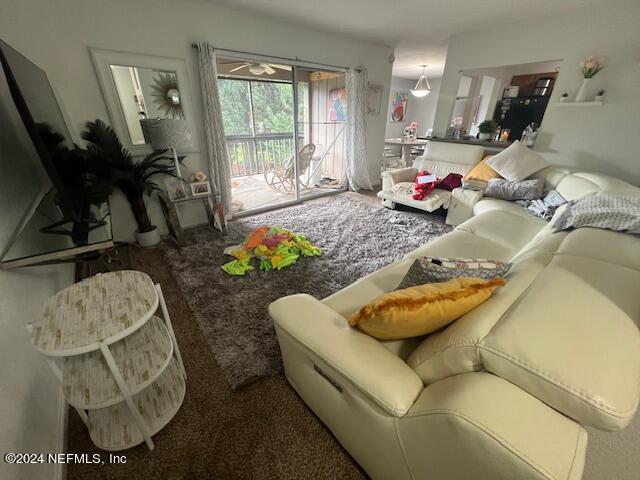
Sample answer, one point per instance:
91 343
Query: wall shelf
579 104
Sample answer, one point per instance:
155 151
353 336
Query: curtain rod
195 45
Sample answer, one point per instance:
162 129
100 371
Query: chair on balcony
281 176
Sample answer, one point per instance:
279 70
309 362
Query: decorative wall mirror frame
167 94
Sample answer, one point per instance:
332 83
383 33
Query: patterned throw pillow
611 212
506 190
431 269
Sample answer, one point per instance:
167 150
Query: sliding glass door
321 116
284 128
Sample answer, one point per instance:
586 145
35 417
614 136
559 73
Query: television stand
54 228
39 244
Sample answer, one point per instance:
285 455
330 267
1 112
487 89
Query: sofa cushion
504 228
605 245
569 340
487 204
517 162
422 309
453 350
443 158
351 298
466 244
578 184
567 298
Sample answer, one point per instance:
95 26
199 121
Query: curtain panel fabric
356 133
219 170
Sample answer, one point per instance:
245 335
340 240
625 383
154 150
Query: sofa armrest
480 423
349 354
391 177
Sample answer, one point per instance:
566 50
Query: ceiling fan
258 68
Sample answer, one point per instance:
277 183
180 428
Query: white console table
119 363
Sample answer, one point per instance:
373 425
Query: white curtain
219 170
356 133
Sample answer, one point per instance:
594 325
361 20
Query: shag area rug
357 236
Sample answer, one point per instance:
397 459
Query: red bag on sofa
451 181
424 184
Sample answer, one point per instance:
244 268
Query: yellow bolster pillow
482 171
420 310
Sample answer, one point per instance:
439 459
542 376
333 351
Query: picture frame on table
200 189
175 189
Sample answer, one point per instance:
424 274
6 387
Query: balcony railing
249 155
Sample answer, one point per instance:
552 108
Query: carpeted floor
357 236
260 431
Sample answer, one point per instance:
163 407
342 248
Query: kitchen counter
489 147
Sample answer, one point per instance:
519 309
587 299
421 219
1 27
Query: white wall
394 129
425 108
30 396
56 36
486 106
422 110
600 138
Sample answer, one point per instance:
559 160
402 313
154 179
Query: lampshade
163 133
422 88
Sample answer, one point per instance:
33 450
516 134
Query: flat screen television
37 107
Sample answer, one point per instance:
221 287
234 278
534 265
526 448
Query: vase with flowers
589 68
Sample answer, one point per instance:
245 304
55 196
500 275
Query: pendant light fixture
422 88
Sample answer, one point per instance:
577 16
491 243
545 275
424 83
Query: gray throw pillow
506 190
611 212
431 269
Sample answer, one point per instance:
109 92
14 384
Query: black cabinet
516 113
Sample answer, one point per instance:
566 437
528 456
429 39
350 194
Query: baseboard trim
61 444
60 472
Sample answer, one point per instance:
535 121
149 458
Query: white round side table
119 363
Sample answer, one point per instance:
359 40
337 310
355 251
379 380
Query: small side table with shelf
118 362
212 206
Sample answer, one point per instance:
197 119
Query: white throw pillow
517 162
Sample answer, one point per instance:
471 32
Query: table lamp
170 133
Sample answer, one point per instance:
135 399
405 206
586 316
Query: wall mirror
145 87
515 96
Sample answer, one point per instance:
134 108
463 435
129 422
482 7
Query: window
235 102
256 107
272 107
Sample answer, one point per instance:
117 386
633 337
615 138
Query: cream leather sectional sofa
503 392
441 159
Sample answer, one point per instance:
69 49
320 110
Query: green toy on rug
274 247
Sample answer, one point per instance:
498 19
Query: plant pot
485 136
148 239
582 93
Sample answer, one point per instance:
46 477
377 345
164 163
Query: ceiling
417 29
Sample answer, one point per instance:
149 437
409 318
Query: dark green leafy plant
110 161
488 126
